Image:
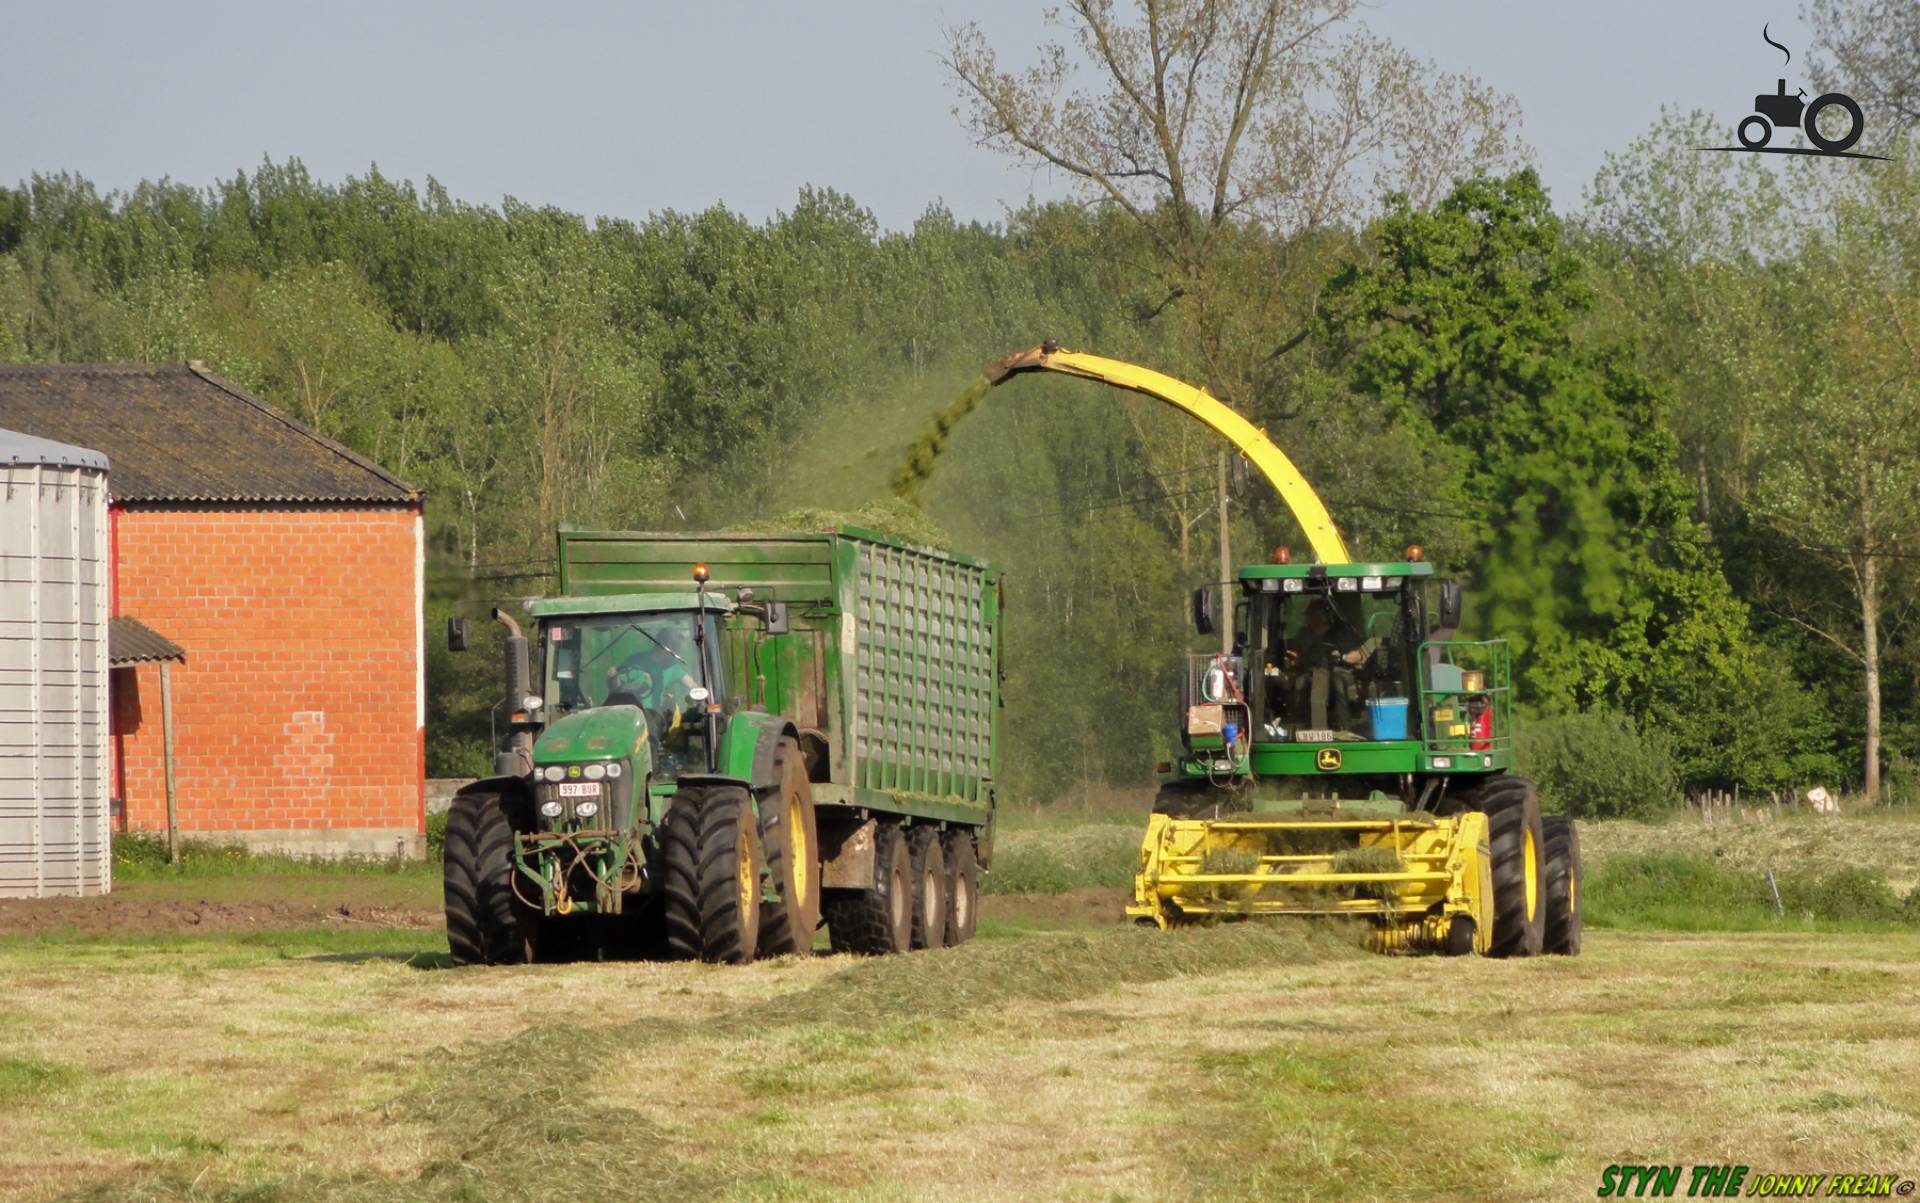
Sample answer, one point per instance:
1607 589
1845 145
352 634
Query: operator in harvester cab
1323 657
1322 644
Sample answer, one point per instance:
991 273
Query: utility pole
1226 565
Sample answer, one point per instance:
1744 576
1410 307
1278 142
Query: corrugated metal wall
923 689
54 834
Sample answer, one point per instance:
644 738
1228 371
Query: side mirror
456 634
1450 604
777 623
1203 616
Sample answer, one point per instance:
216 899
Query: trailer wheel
791 836
963 886
485 925
680 874
929 888
729 877
878 920
1562 841
1518 854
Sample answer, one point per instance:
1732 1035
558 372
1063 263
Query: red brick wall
298 705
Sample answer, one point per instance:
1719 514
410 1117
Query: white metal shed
54 577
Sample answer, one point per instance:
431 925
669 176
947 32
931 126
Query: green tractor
697 770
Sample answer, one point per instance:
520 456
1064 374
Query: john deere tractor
721 741
1344 754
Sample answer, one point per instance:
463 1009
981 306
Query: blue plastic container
1389 717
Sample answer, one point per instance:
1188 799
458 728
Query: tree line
1666 432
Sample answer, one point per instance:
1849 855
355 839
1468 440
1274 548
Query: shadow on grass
412 960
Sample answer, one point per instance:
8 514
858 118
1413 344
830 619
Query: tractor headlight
1293 584
1443 762
1370 583
1345 584
594 772
586 808
613 768
550 809
553 772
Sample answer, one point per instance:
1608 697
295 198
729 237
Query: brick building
287 572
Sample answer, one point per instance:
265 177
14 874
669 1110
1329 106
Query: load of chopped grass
915 469
890 516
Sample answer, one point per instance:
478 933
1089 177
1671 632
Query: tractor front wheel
486 924
680 874
729 877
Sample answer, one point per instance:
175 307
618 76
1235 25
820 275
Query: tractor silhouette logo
1832 121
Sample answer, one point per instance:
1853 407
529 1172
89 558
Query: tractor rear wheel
1516 849
791 836
680 874
877 920
963 886
486 924
929 888
729 877
1562 841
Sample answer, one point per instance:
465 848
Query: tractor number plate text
579 789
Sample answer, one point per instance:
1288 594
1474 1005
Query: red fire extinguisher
1482 729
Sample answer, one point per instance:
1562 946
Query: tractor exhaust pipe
514 758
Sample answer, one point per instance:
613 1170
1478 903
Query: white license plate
579 789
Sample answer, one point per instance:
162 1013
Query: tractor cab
1344 669
653 657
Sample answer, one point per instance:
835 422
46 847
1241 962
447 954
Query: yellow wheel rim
1573 892
1533 876
747 881
802 854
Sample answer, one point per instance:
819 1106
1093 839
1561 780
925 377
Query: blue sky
624 109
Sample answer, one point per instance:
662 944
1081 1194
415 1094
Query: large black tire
879 920
1516 850
680 874
485 925
929 870
790 834
1562 842
729 877
963 886
1811 125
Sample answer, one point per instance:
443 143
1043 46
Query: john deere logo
1327 759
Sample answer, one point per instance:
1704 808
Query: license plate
579 789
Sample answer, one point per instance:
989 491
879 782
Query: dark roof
130 641
177 432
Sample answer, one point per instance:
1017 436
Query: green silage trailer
716 743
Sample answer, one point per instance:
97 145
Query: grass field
278 1048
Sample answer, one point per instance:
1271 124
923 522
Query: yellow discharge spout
1328 547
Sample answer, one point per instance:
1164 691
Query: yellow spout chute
1328 547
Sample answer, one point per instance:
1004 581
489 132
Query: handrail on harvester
1328 547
